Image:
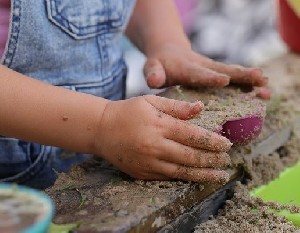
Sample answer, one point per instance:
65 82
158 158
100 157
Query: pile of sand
220 105
238 214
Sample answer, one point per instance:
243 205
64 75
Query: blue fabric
75 44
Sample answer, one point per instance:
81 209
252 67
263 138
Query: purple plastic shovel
242 130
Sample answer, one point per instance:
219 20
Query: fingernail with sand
224 81
228 162
220 177
221 160
197 107
223 143
224 177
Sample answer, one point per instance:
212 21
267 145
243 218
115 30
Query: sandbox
99 198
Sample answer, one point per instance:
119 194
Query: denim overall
74 44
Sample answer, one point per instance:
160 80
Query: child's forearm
136 135
155 23
34 111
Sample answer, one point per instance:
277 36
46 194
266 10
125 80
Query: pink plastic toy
242 130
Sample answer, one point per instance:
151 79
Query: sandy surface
81 193
238 215
220 105
125 203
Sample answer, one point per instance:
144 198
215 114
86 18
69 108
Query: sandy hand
147 138
174 65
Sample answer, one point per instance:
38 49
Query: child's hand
147 138
175 65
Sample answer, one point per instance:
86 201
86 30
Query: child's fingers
205 175
175 108
176 153
182 73
191 135
248 76
238 74
195 75
263 92
154 73
151 176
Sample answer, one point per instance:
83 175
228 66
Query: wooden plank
200 213
105 200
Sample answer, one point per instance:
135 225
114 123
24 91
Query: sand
238 215
220 105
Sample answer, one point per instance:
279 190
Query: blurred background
232 31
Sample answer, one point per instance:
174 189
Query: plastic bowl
15 199
284 190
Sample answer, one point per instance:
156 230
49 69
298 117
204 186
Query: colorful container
24 210
289 23
284 190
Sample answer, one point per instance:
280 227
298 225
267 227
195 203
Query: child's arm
156 30
34 111
143 136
